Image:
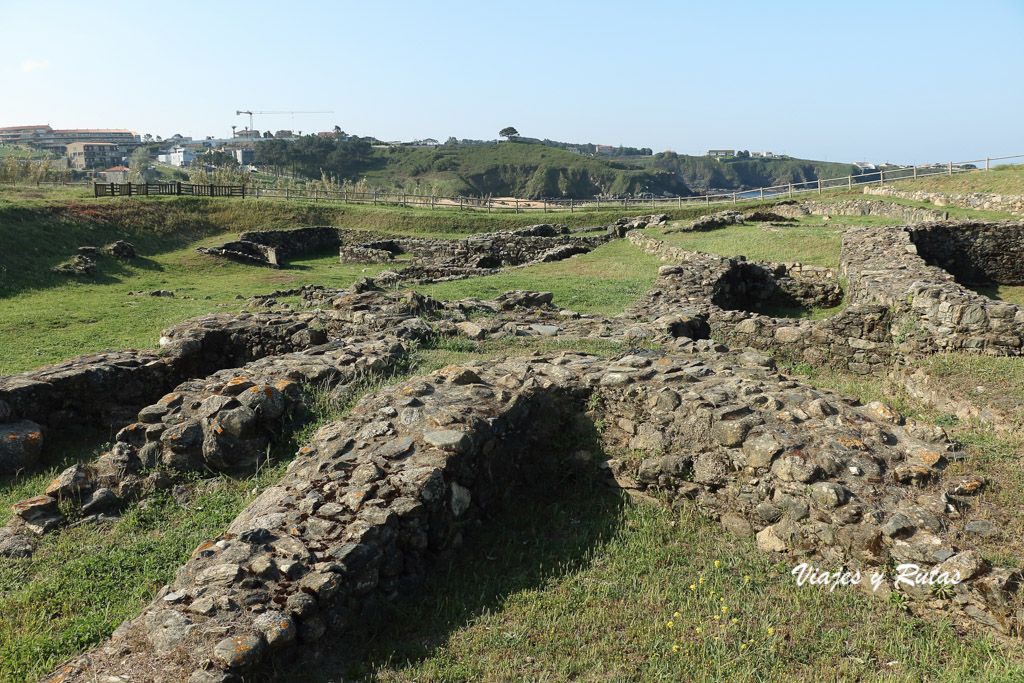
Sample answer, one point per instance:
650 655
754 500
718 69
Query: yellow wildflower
724 609
717 564
693 586
670 624
743 646
771 631
735 620
675 648
675 614
717 617
700 580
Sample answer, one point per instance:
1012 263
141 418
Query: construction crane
250 113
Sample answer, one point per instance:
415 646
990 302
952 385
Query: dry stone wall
728 291
374 499
272 247
931 310
973 253
858 207
1012 204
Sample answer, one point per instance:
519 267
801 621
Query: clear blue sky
901 80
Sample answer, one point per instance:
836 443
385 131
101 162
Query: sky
896 80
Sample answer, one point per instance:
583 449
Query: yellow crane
239 112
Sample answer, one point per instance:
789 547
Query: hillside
517 169
1000 180
705 173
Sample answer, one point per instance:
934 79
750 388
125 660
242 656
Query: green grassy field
1007 179
574 583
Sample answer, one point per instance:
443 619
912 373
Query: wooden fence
179 189
489 204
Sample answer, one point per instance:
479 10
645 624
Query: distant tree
216 158
138 166
451 141
508 133
147 137
159 139
267 134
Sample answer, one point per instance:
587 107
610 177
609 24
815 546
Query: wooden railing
179 189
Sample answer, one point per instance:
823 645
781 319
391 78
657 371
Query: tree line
314 156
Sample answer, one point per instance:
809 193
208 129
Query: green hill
744 174
518 169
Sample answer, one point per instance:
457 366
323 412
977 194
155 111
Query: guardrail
878 176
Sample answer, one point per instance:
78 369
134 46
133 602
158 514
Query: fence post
986 163
849 181
344 194
432 201
791 189
819 185
951 168
179 189
762 194
460 202
316 195
375 197
570 205
733 197
915 172
287 193
129 188
545 205
517 204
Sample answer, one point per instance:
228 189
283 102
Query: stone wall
855 339
106 389
375 499
1012 204
858 207
974 253
931 310
272 247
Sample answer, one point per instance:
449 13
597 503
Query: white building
181 156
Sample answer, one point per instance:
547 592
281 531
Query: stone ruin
433 260
903 296
272 247
374 498
84 261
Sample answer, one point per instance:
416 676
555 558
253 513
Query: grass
576 583
605 281
954 211
811 244
1013 294
1006 179
46 318
82 583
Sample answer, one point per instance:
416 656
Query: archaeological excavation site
754 400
